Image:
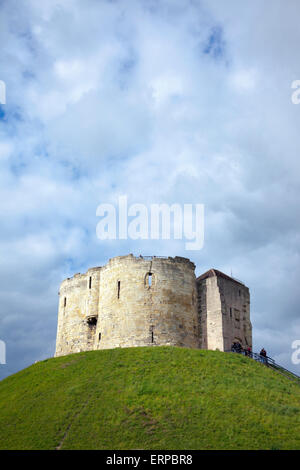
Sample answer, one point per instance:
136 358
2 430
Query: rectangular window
119 288
65 301
90 283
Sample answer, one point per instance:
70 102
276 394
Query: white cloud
164 87
106 99
245 80
6 149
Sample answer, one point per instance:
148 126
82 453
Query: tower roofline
215 272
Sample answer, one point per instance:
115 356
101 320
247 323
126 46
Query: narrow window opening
149 280
119 287
90 282
239 293
99 336
230 312
65 301
152 333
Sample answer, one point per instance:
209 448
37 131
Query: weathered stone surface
150 301
223 311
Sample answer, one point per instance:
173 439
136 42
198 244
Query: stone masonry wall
148 301
215 338
202 313
118 305
134 313
224 313
235 300
78 304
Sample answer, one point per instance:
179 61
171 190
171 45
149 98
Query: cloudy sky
164 101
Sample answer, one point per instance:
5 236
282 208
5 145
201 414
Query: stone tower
129 302
148 301
223 311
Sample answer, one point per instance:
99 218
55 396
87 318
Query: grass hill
149 398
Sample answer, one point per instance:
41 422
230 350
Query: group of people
263 355
237 347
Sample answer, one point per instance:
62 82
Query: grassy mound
149 398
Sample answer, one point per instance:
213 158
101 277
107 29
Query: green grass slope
149 398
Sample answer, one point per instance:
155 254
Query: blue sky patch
215 44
